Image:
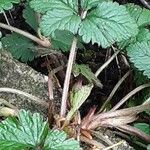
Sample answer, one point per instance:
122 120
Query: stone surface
16 75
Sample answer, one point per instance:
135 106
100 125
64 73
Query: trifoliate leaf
88 4
78 97
43 6
7 4
63 39
28 131
57 140
143 127
141 15
139 54
62 18
30 17
19 46
106 24
87 73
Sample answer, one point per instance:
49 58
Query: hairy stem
121 102
125 112
114 90
67 77
31 97
106 63
129 112
44 43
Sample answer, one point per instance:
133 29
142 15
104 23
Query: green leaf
143 35
31 132
63 15
141 15
43 6
7 4
27 132
30 17
78 97
107 24
19 46
148 147
87 73
143 127
61 19
139 54
57 140
63 39
88 4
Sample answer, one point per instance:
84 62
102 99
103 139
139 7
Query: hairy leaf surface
30 17
43 6
7 4
57 140
19 46
143 127
139 54
63 39
141 15
88 4
61 19
143 35
107 24
60 14
28 131
31 132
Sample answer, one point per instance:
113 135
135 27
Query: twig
114 90
11 16
5 111
102 136
117 62
6 18
67 77
44 43
121 102
128 138
31 97
134 131
145 3
7 103
50 87
92 142
106 63
114 145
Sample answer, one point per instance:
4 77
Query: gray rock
16 75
